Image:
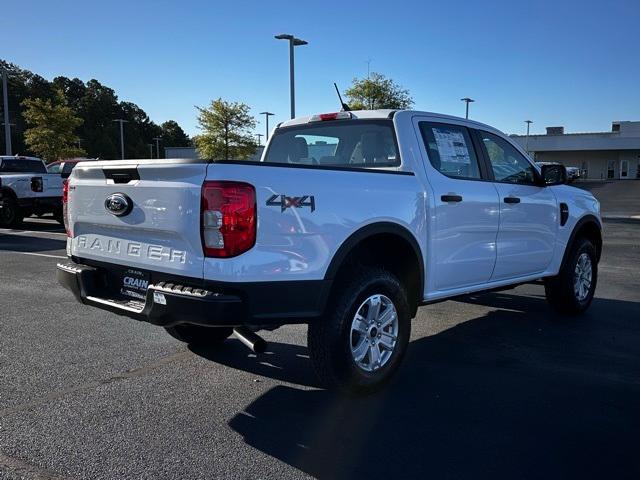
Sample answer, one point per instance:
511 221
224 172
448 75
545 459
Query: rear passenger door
464 212
528 211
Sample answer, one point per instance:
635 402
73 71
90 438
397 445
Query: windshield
346 143
22 166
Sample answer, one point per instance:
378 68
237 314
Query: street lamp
259 135
5 107
266 116
467 100
157 139
293 42
150 150
526 145
121 121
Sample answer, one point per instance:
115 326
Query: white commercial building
599 155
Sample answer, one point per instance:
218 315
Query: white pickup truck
349 223
27 188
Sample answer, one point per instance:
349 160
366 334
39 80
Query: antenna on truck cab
345 107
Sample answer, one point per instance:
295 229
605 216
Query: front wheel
571 291
360 343
198 335
10 213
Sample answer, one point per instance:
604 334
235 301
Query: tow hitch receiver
251 339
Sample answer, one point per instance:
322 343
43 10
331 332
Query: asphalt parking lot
494 386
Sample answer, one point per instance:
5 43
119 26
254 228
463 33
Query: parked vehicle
64 167
573 173
26 189
349 223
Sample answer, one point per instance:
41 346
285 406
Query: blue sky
559 62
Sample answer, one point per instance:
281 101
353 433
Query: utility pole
293 42
150 150
267 115
259 135
157 139
467 100
5 108
121 122
368 69
526 145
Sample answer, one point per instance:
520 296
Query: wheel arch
8 192
405 260
590 227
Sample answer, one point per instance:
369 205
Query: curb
634 218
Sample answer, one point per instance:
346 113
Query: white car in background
26 188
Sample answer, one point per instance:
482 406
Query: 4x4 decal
285 202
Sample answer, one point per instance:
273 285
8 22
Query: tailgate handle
121 175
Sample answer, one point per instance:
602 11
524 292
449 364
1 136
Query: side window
507 163
450 150
67 167
54 168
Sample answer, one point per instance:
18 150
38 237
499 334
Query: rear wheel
360 343
198 335
10 213
571 291
58 216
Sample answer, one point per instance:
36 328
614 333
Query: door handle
451 198
511 200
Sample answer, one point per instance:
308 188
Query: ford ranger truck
348 223
27 188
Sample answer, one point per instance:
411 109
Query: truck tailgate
161 230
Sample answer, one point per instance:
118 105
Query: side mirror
553 175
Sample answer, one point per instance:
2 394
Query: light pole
5 108
150 150
467 100
266 116
526 145
157 139
259 135
121 121
293 42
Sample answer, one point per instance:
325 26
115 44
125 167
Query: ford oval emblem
118 204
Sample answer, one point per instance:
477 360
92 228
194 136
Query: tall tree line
97 106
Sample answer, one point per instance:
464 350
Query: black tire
330 338
10 214
198 335
560 291
58 216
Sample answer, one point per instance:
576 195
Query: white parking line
34 254
20 232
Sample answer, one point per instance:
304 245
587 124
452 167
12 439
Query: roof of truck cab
18 157
388 113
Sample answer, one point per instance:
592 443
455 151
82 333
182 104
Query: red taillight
328 116
228 218
331 116
65 201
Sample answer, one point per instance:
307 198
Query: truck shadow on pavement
26 239
510 394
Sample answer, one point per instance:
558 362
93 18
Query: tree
377 91
51 132
96 104
226 130
173 136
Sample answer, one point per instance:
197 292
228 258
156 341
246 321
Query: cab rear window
342 143
22 166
